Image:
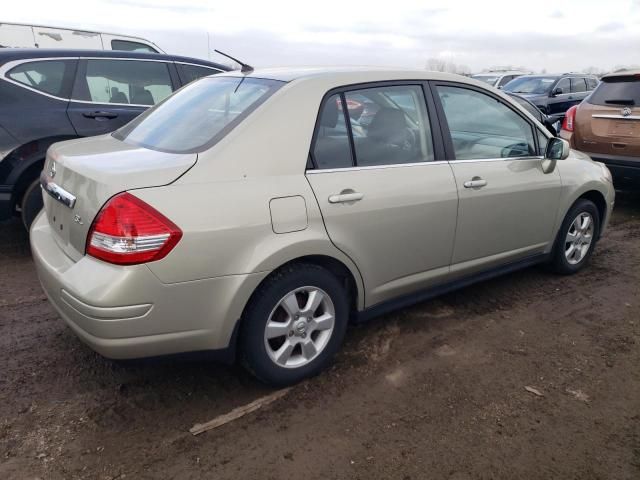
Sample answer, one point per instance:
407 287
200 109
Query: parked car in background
553 125
553 94
54 95
498 79
241 212
17 35
606 126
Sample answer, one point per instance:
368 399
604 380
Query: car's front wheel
576 238
294 324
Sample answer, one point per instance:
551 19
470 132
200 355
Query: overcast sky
557 35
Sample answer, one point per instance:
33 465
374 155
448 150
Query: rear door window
592 83
124 82
621 90
578 85
482 127
395 128
48 76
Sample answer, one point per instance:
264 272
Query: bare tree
439 65
436 65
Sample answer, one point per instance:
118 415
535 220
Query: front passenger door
508 198
109 93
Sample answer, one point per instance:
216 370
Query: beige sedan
258 214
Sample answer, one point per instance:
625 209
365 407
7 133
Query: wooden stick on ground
236 413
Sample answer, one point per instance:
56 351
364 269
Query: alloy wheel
299 327
579 238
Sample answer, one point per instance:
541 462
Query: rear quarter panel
227 229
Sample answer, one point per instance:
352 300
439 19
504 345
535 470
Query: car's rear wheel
31 203
294 324
576 238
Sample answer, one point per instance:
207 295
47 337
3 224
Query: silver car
260 213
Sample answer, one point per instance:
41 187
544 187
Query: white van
18 35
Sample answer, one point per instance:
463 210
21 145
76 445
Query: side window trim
68 79
347 121
437 136
444 125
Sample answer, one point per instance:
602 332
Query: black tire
252 334
31 204
559 262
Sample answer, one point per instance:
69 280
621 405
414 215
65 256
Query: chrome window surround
416 164
10 65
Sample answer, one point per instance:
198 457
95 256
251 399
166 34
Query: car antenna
245 68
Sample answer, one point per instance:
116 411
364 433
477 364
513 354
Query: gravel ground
430 392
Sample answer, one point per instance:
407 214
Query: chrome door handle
344 197
475 182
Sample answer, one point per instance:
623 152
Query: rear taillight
128 231
569 119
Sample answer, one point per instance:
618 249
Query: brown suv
606 126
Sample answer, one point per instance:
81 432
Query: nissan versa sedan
259 213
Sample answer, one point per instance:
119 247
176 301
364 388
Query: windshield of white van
198 115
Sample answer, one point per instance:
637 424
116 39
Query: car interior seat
331 151
117 96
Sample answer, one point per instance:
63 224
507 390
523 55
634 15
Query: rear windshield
535 85
198 115
617 91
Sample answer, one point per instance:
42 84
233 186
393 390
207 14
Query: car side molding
429 293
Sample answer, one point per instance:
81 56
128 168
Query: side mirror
556 91
557 149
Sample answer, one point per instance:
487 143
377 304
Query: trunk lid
81 175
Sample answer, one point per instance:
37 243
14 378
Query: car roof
623 73
11 54
500 72
342 74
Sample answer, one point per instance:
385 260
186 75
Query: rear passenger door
579 90
508 196
109 93
388 200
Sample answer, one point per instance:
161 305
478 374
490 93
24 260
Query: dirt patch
432 391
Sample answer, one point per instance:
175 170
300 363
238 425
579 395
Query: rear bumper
126 312
625 170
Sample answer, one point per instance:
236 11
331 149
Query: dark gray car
52 95
553 94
